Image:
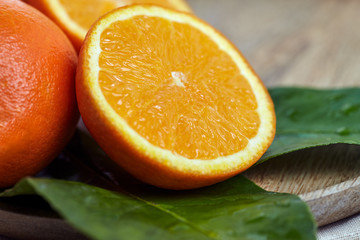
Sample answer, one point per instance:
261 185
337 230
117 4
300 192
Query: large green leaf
309 118
234 209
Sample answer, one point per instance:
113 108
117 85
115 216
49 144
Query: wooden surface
302 43
296 42
327 178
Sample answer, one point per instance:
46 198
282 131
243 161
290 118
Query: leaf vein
175 215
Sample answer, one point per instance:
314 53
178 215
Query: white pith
62 15
80 32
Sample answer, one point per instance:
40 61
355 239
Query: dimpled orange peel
38 110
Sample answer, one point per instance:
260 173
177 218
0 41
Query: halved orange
170 99
75 17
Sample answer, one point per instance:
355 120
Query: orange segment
170 99
76 16
176 80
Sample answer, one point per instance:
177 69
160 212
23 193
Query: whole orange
38 110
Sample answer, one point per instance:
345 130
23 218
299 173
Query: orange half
170 99
75 17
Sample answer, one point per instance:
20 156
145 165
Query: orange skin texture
38 110
42 7
123 152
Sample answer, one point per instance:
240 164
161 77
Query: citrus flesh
75 17
170 99
38 110
168 83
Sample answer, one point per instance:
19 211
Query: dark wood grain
19 226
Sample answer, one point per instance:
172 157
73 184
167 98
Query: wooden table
300 43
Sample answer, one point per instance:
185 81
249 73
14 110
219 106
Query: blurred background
292 42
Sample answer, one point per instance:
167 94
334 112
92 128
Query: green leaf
234 209
309 118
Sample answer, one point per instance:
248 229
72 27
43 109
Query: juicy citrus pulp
168 91
76 16
167 83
